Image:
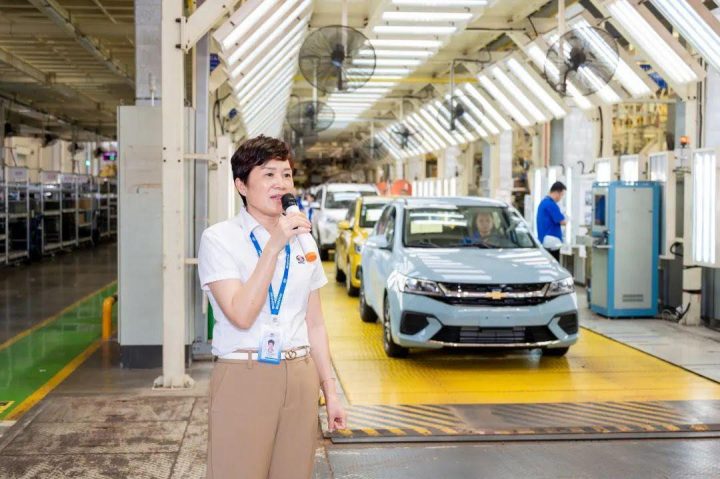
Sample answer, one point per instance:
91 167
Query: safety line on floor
443 422
54 317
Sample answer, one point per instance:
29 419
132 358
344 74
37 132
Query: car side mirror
344 225
378 241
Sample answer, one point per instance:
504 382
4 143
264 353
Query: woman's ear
240 186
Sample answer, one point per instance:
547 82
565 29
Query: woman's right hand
289 225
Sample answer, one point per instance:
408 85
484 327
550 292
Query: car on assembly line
353 231
332 202
464 272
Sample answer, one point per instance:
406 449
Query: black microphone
307 243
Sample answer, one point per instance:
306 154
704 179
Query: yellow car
353 231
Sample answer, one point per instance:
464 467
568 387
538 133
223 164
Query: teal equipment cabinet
625 252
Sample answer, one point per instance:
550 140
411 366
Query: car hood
335 214
483 266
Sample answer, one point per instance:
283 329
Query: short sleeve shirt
549 217
226 252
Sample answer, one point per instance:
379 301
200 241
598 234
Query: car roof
370 200
350 187
420 201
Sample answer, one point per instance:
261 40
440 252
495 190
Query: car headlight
359 247
424 287
560 287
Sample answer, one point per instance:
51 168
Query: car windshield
451 226
342 200
370 214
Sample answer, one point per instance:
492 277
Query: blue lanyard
275 302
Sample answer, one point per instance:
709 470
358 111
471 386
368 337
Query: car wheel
339 275
555 352
391 349
366 312
351 290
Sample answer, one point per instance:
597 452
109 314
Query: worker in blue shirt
549 216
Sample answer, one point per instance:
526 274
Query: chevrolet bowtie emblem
497 295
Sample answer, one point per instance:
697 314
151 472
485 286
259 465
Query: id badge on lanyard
271 342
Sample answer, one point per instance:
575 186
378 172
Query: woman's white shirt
226 252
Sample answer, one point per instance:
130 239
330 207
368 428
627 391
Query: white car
332 202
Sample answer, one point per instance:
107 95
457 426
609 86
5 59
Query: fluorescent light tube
442 3
642 33
403 16
298 16
627 77
405 43
422 125
702 33
242 21
474 110
387 62
275 54
262 29
398 53
538 57
415 29
438 127
536 88
504 101
519 95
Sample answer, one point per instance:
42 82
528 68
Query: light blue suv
464 272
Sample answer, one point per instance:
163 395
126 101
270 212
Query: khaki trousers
263 419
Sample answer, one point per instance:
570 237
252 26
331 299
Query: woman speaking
269 337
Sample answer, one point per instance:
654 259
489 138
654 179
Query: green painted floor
28 364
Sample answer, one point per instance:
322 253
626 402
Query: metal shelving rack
17 196
69 210
86 212
51 214
3 219
106 204
113 205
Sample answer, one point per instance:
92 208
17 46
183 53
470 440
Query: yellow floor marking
390 410
52 318
5 404
539 411
443 417
618 410
369 431
384 421
597 369
53 382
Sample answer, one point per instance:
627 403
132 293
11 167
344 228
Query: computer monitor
599 215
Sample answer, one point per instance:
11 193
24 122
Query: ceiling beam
63 20
20 27
22 66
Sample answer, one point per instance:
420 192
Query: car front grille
498 336
508 295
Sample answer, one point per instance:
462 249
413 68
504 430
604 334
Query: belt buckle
291 354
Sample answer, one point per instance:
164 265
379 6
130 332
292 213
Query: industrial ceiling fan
309 117
574 64
337 58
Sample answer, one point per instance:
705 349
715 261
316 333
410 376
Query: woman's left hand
337 417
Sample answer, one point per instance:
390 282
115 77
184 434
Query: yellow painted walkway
595 369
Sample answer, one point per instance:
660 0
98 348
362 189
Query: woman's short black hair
256 152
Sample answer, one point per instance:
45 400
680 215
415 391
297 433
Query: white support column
692 276
607 131
580 140
501 181
173 199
